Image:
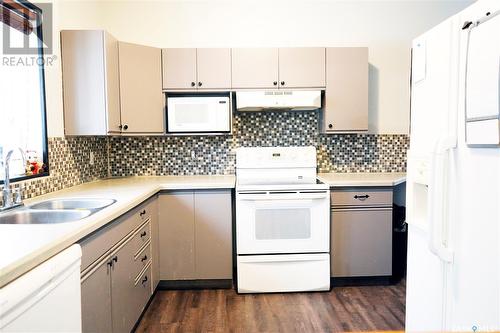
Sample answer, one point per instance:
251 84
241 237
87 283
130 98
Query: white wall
386 27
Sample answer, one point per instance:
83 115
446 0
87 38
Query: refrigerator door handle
437 199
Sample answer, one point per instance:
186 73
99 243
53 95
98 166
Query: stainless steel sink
28 216
86 204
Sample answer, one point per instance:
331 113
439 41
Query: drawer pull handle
143 234
361 197
142 213
144 258
144 280
115 259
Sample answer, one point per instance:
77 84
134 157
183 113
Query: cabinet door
254 68
125 311
301 67
96 300
112 80
361 242
179 68
214 68
141 95
346 96
176 224
83 80
213 234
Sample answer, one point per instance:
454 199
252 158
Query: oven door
270 222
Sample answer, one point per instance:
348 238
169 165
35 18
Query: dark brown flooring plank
343 309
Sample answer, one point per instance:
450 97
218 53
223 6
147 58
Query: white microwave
198 113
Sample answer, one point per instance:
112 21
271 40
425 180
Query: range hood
295 100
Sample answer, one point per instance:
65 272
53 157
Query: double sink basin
55 211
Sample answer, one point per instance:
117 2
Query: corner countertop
336 179
24 246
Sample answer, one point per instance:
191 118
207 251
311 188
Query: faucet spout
7 192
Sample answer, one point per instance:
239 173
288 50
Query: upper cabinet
140 89
189 68
255 68
296 67
302 67
110 87
91 88
346 95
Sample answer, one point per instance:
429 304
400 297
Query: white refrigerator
453 180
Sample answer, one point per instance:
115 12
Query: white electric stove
282 221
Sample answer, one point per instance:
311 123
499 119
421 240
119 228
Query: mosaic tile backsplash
192 155
69 165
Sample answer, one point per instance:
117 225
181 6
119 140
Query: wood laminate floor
343 309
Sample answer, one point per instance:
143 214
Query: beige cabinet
91 88
176 225
254 68
110 87
190 68
195 235
302 67
141 97
361 242
361 232
179 68
346 95
295 67
96 299
213 234
117 271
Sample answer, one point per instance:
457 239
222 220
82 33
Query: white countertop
23 247
336 179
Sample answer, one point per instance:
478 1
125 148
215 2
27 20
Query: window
22 90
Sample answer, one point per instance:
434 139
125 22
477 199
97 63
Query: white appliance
188 113
282 221
46 299
295 100
453 189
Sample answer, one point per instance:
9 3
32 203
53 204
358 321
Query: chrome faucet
8 203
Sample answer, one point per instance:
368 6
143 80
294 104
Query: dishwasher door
46 299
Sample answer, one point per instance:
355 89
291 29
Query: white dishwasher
46 299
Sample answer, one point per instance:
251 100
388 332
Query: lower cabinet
96 299
361 242
195 230
117 286
361 232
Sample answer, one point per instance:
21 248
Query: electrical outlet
91 158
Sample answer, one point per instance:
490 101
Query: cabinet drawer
362 197
142 259
95 245
142 290
141 237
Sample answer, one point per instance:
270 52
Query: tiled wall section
69 165
191 155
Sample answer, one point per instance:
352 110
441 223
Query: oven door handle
299 196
